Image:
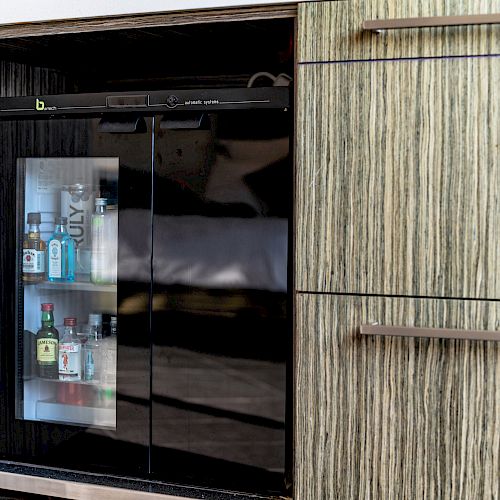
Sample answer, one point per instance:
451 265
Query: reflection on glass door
77 359
68 220
221 316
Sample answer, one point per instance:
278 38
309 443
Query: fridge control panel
127 101
147 102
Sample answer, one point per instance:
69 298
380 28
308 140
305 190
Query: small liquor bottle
47 345
109 348
61 253
33 251
70 355
92 350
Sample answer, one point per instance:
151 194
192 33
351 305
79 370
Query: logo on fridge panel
40 106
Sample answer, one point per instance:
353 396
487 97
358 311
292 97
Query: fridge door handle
440 333
377 25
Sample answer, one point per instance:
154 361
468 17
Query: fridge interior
43 185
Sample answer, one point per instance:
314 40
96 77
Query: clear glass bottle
99 263
34 251
70 355
61 253
92 350
109 355
47 345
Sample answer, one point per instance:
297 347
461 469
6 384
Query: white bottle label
33 261
55 260
98 260
104 248
70 361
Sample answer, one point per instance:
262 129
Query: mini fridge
146 313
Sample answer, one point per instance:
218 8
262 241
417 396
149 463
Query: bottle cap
34 218
95 319
47 307
69 321
101 202
61 221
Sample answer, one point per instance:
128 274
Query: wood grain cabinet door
391 417
331 31
398 177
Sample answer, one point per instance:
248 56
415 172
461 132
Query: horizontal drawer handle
430 22
440 333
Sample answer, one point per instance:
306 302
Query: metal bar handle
440 333
377 25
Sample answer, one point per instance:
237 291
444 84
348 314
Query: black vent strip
127 483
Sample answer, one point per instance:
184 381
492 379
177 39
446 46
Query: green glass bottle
47 345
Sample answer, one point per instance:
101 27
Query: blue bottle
61 253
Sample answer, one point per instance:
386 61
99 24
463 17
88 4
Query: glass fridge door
82 275
221 319
69 267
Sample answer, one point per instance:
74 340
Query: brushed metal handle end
378 25
440 333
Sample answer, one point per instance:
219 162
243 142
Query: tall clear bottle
33 251
92 350
109 354
99 259
61 253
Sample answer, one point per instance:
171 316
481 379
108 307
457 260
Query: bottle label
98 264
70 361
55 267
46 350
33 261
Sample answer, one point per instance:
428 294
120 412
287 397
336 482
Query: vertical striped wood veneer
15 80
398 183
331 31
22 79
144 21
395 418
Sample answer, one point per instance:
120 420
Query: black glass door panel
221 329
77 398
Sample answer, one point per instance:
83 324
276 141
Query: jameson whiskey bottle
47 345
33 251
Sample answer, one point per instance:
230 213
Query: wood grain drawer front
393 418
332 31
398 178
